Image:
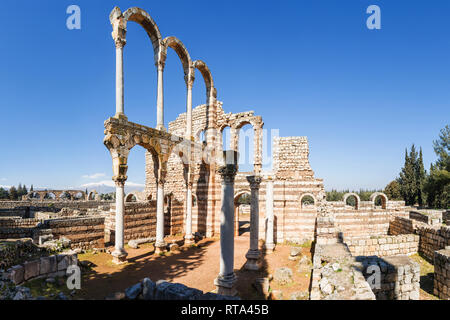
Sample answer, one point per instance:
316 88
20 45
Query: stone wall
432 238
399 277
336 275
16 228
84 233
442 274
384 245
291 157
429 217
44 267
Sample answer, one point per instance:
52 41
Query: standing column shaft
160 98
160 244
269 216
188 237
189 112
226 280
119 253
253 253
119 82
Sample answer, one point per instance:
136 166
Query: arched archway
131 197
242 212
307 201
352 199
379 199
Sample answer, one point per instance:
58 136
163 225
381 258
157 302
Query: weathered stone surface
134 291
283 275
31 269
17 274
48 265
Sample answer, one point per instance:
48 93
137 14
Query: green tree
392 191
420 179
407 178
4 194
437 185
13 193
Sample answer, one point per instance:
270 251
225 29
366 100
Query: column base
253 262
119 256
121 116
270 247
161 128
160 247
189 240
226 285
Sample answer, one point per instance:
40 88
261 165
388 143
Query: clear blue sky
309 68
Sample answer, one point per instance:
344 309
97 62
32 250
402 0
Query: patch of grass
39 287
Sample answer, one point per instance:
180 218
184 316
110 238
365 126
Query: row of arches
63 195
379 199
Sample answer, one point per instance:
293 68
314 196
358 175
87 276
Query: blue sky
309 68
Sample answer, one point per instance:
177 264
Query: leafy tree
437 185
4 194
412 177
392 190
13 195
31 188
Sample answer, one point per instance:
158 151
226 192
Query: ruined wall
84 233
442 274
432 238
384 245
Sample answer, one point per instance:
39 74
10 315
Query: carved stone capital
228 173
254 181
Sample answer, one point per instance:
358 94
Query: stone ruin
193 187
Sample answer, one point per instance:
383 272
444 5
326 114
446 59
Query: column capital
189 79
254 181
160 64
228 172
119 36
120 180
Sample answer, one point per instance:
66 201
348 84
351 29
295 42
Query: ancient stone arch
119 22
357 199
183 54
305 195
131 197
92 195
384 199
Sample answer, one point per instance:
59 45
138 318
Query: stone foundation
399 277
442 274
384 245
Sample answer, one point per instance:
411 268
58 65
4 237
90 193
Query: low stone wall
51 266
429 217
442 274
399 277
336 275
84 233
162 290
17 228
383 245
432 239
400 225
446 217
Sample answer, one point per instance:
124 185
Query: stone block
48 265
17 274
31 269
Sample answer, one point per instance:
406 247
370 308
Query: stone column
119 254
160 245
257 149
189 238
118 34
269 245
253 253
236 220
189 83
225 282
160 97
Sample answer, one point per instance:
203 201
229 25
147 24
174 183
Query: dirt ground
194 267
